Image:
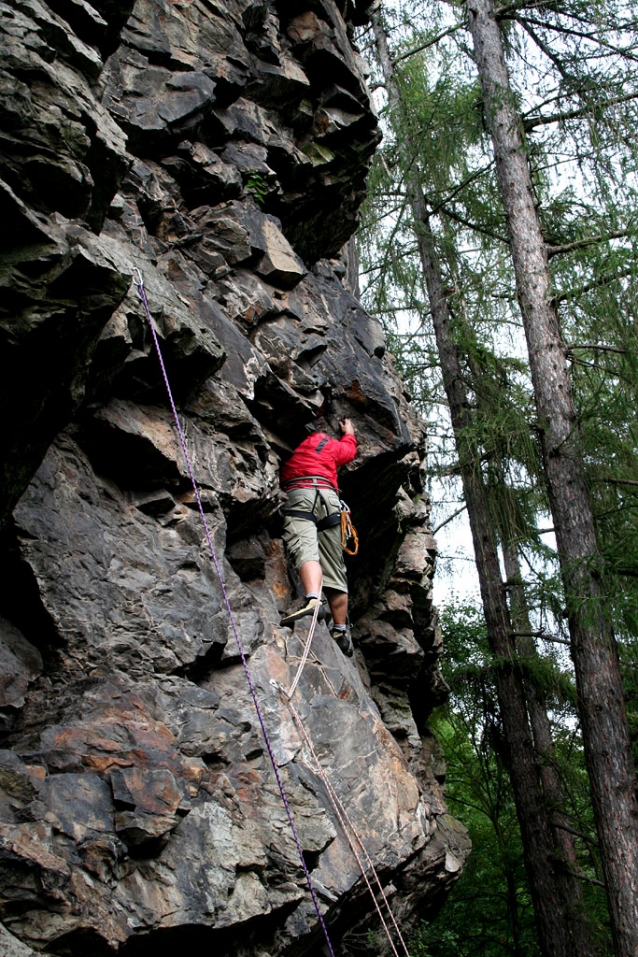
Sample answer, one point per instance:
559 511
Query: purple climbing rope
142 294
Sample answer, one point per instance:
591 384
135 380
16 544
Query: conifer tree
550 891
593 644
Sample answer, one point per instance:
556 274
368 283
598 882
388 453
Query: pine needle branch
596 284
461 186
616 481
450 518
580 834
473 226
432 42
596 347
589 241
583 112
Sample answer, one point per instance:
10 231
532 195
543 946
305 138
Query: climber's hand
346 427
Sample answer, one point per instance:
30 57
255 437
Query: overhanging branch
584 112
432 42
589 241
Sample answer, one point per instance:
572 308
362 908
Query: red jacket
305 460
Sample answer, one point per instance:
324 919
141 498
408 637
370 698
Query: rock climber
312 527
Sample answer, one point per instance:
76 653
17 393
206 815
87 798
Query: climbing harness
323 524
338 807
142 294
308 481
349 537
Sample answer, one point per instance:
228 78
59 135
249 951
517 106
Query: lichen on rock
220 151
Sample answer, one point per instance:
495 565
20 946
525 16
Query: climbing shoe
343 640
301 608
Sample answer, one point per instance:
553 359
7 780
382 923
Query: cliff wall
220 148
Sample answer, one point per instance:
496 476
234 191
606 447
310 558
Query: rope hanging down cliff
142 294
341 814
348 534
350 832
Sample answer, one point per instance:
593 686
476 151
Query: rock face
221 150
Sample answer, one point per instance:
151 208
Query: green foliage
489 911
578 96
573 71
255 183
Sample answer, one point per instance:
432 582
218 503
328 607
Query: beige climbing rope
346 823
306 651
341 814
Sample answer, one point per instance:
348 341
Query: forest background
499 250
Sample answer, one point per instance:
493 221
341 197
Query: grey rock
11 946
20 663
219 151
153 102
79 804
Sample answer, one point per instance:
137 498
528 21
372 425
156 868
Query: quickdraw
349 537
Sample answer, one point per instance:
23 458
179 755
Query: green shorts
305 544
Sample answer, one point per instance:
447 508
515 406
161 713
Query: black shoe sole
344 645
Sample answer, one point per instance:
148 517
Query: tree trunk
576 912
604 722
533 816
539 849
